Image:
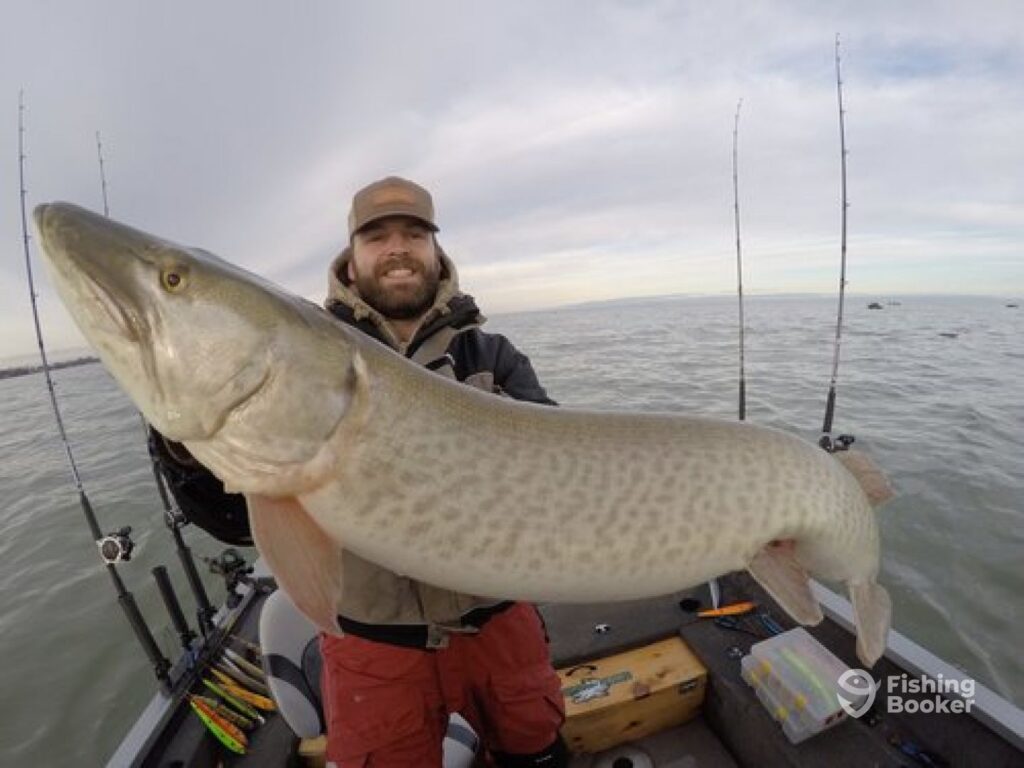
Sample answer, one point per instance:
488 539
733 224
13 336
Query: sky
576 151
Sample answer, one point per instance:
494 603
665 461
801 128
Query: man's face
395 268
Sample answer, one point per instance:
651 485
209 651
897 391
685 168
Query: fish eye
172 280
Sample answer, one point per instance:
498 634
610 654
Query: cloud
575 152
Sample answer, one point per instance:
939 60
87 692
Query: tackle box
797 680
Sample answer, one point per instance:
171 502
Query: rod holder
163 582
161 665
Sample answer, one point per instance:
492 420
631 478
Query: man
412 653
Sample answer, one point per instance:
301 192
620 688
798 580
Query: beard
406 302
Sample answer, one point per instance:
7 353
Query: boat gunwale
991 709
148 728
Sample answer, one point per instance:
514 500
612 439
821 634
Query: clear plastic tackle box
797 680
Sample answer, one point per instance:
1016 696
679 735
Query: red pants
388 706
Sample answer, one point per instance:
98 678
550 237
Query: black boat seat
292 663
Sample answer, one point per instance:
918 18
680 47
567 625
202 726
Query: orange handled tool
734 609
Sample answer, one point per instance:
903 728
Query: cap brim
386 214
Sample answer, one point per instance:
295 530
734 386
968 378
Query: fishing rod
174 520
114 547
739 256
713 585
172 514
842 442
103 175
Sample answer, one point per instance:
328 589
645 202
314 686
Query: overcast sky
576 150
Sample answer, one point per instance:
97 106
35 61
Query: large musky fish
338 441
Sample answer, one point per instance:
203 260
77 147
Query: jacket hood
344 302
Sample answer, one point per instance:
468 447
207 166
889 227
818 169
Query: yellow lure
232 687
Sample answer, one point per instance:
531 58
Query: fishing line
843 441
115 546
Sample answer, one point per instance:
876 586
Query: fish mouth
124 323
106 306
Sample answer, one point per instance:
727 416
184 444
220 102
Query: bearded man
411 653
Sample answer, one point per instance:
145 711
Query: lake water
943 416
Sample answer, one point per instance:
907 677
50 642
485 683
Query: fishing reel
841 443
117 547
229 563
231 566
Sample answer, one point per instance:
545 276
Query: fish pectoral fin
776 569
872 612
305 562
868 475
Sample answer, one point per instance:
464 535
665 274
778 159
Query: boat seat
292 663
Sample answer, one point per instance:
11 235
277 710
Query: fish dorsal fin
305 562
776 569
868 475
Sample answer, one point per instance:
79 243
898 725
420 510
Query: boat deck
732 712
733 729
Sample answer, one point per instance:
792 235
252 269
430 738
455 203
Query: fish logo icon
862 689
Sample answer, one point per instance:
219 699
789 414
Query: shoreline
25 370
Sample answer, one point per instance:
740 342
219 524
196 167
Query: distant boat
949 335
874 305
1012 306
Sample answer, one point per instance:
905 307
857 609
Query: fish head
145 305
239 370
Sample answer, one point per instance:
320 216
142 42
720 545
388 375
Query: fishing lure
801 667
241 706
254 699
260 702
227 712
227 733
250 646
247 666
246 681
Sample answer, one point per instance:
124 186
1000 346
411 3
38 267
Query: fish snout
39 215
43 215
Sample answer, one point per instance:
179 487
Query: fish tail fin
777 570
872 611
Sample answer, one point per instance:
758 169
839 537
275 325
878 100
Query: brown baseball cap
392 196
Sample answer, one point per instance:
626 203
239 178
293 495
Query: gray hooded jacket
377 603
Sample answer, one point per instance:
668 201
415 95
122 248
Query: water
943 416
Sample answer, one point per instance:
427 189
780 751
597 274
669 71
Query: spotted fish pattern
339 442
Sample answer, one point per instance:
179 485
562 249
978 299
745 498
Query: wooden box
630 695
